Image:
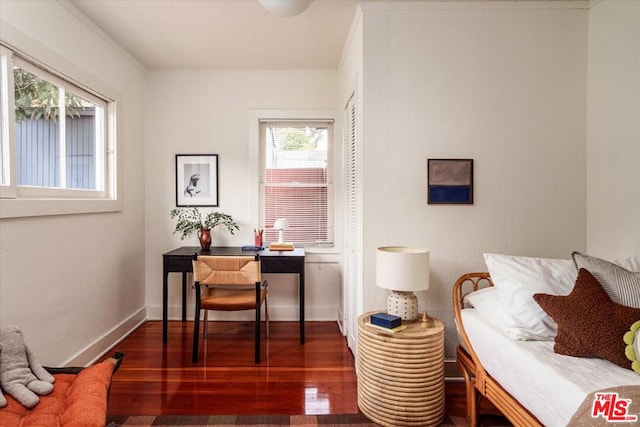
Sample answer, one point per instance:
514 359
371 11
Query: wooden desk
179 261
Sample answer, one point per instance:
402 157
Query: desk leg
184 297
165 300
302 305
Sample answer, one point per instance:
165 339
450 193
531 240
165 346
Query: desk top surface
232 250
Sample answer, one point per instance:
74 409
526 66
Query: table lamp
281 224
403 270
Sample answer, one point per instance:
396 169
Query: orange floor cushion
77 400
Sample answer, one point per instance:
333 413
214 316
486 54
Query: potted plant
189 220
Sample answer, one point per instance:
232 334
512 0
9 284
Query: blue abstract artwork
450 181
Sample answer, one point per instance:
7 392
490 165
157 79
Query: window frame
7 120
257 117
67 192
26 201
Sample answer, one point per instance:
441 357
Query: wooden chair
228 283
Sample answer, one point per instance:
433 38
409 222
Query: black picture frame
450 181
197 180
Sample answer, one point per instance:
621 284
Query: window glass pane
295 181
42 122
296 148
83 123
37 130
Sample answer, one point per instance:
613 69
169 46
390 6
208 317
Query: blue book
252 248
386 320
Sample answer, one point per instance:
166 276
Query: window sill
20 208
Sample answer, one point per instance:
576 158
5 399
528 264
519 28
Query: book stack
281 247
387 322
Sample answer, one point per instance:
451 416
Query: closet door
352 282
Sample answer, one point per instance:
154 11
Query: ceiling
228 34
223 34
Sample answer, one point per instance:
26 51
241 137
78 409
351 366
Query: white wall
74 283
613 149
503 84
211 112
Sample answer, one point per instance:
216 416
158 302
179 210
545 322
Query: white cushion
517 278
487 302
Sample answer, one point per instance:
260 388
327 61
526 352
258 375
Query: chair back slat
226 270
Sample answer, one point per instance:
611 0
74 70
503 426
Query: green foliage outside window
297 138
36 98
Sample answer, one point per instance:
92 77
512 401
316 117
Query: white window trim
255 116
29 205
25 191
7 181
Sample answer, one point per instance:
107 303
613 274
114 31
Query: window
56 139
59 132
295 180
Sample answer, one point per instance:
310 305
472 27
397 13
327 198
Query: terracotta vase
205 238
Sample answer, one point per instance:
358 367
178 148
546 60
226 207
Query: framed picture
450 181
196 180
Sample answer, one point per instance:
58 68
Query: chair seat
231 299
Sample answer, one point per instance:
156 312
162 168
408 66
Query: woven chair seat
231 299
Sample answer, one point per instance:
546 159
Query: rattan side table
401 374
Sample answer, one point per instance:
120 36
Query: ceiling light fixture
286 8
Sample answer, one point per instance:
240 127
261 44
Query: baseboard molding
94 351
341 322
451 371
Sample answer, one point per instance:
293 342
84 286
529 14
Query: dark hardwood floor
292 379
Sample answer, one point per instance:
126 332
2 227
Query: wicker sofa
524 377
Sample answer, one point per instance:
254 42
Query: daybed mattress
534 375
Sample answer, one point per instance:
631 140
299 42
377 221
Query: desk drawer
282 265
177 264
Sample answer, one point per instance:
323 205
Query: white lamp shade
281 224
286 8
401 268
